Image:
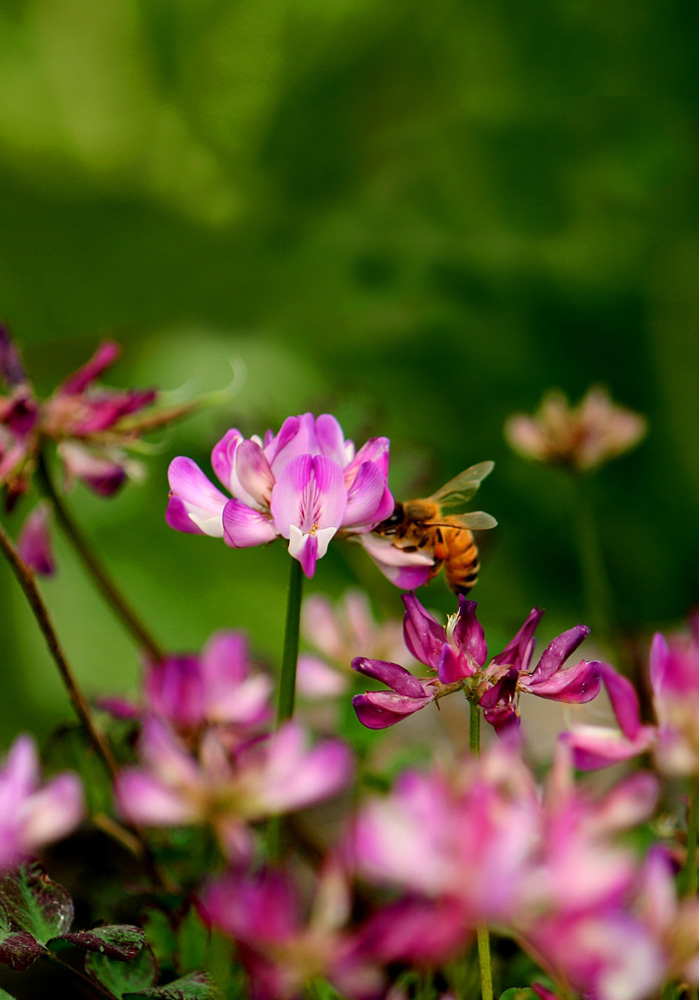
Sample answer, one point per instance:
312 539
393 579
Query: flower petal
423 636
253 473
391 674
468 632
244 527
369 500
202 501
310 493
578 684
381 709
558 651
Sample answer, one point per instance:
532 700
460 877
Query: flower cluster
306 483
581 437
457 655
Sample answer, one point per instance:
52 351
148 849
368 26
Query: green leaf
4 995
121 977
34 903
70 748
119 941
192 942
160 935
195 986
519 993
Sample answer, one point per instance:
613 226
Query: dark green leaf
121 977
34 903
19 951
195 986
192 942
161 936
120 941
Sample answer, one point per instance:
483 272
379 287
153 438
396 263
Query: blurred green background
416 216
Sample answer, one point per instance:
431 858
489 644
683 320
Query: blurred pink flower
214 688
581 437
336 632
31 815
305 484
229 787
282 951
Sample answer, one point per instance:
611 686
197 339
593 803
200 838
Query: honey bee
420 526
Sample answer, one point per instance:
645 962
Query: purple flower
304 484
228 787
30 815
92 425
457 655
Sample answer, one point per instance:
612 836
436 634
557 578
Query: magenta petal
659 663
223 457
11 367
624 699
244 527
34 542
423 636
145 799
105 355
177 517
203 502
310 493
558 651
598 746
254 473
578 684
518 649
331 440
468 632
453 666
369 500
376 450
392 675
381 709
304 547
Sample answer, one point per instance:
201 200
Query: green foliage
119 941
35 903
519 993
123 977
195 986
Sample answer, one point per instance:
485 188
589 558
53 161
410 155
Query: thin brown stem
31 592
80 705
95 568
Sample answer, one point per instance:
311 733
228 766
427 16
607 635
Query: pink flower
674 678
229 787
581 437
304 484
335 632
457 655
282 951
215 688
30 815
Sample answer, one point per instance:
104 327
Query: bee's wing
462 487
476 520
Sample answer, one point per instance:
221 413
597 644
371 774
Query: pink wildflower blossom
282 951
305 484
335 632
229 787
215 688
31 815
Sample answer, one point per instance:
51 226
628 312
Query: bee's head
392 523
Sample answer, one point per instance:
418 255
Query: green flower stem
287 680
596 588
482 936
287 685
691 872
96 570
